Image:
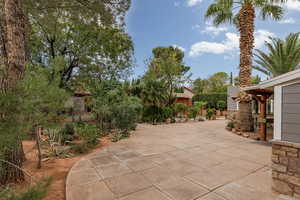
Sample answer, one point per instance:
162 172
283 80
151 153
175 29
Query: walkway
192 161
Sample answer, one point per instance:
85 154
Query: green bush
89 133
230 124
126 115
210 113
119 135
167 113
193 112
221 105
153 114
80 148
67 133
36 192
181 109
211 99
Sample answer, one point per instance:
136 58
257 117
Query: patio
188 161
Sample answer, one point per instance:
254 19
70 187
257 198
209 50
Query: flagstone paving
188 161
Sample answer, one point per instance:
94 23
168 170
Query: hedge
211 99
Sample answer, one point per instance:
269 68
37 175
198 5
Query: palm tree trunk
13 52
246 29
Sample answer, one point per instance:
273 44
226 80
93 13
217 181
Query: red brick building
186 97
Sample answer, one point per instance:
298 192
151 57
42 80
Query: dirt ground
55 168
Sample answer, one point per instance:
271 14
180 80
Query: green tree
218 82
200 86
154 98
167 66
283 56
12 67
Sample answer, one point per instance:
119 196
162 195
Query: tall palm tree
283 56
242 13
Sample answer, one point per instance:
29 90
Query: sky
208 49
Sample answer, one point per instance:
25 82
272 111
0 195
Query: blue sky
208 49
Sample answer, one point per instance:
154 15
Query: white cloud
179 47
192 3
261 36
293 5
287 21
229 45
214 30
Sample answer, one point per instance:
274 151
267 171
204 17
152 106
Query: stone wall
286 168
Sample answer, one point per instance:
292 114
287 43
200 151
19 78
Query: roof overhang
282 79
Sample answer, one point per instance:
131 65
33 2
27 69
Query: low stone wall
286 168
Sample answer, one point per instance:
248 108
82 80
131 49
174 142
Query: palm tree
242 13
223 11
283 56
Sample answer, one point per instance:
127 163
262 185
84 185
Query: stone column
286 168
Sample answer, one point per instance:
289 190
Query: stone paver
187 161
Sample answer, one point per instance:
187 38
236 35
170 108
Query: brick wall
286 168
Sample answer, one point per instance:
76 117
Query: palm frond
282 56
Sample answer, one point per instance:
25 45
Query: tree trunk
246 29
15 40
38 145
13 52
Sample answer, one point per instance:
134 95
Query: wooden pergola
262 95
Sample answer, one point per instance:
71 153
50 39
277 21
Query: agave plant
283 56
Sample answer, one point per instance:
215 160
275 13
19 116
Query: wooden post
263 125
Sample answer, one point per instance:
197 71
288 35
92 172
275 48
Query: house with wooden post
286 142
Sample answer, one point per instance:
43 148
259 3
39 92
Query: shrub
67 133
193 112
153 114
119 135
89 133
221 105
126 116
230 124
167 113
211 99
210 113
36 192
181 109
80 148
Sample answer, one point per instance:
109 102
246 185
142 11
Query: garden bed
56 168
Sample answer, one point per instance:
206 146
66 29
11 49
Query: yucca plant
283 56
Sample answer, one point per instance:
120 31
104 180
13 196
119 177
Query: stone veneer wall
286 168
